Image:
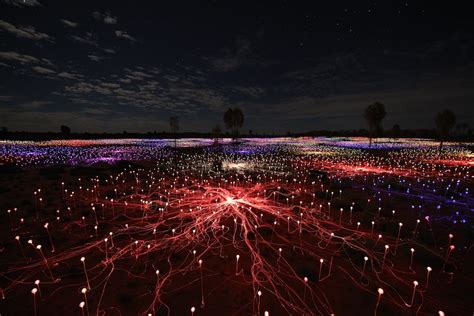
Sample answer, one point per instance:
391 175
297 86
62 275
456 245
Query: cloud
106 17
123 34
253 92
230 59
95 57
68 75
137 75
24 31
43 70
22 3
40 65
89 39
31 105
23 59
6 98
211 98
110 85
69 23
141 88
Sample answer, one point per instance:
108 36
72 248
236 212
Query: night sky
109 66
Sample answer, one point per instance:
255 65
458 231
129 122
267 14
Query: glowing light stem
398 238
451 248
84 291
33 291
106 250
49 235
384 255
320 268
304 292
428 270
45 261
111 240
37 283
380 292
83 260
415 284
202 285
416 228
81 306
259 294
237 264
95 215
377 241
17 238
363 268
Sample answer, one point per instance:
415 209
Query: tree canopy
234 119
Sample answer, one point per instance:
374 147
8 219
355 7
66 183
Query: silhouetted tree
233 120
445 121
174 127
374 115
216 133
4 129
65 129
396 130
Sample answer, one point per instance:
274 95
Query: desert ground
307 226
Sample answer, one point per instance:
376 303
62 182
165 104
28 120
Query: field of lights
320 226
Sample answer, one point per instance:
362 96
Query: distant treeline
409 133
